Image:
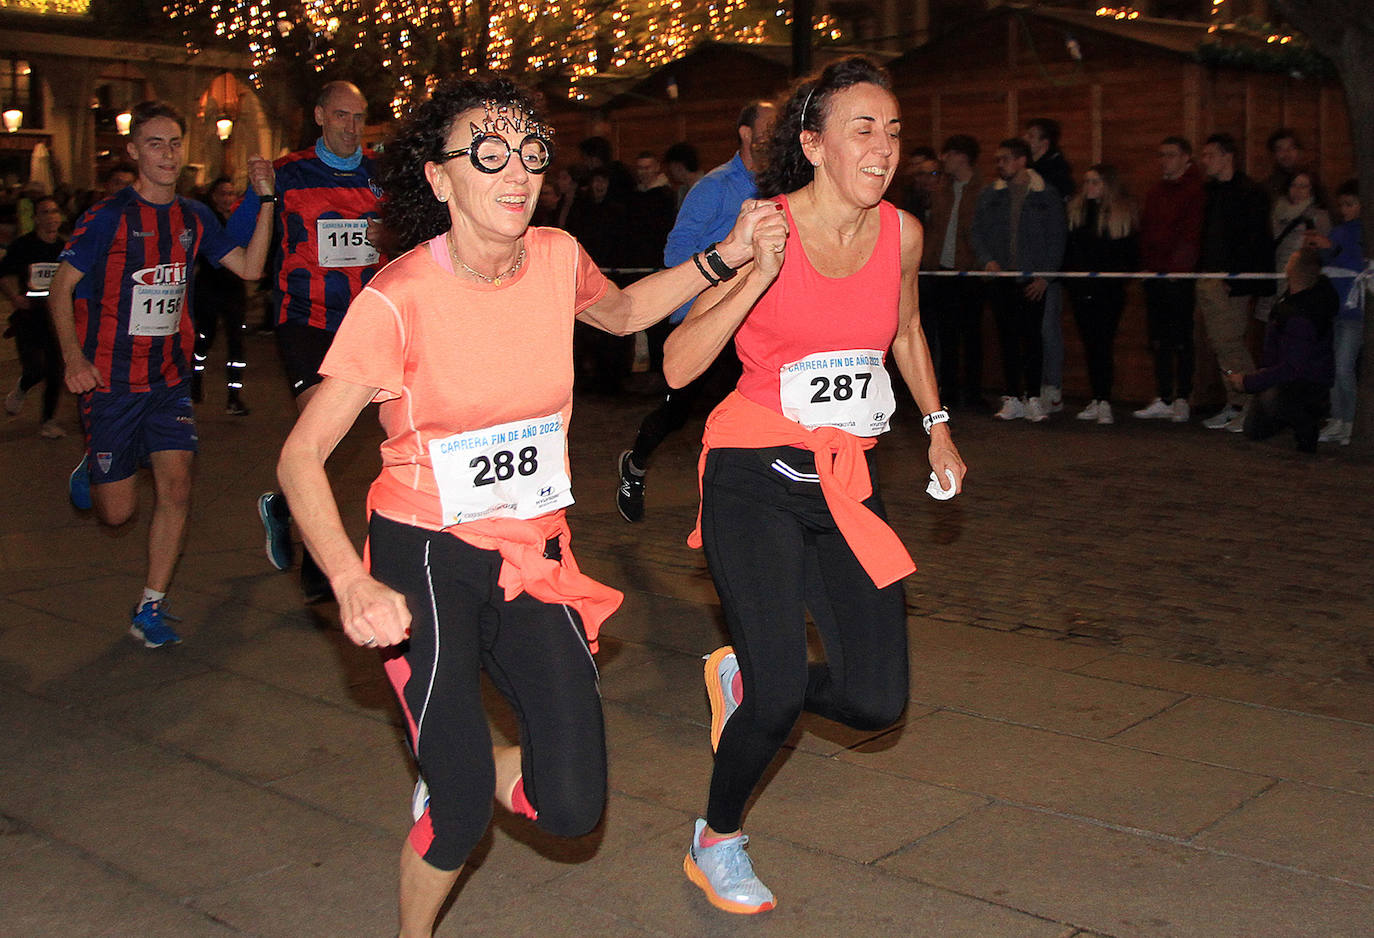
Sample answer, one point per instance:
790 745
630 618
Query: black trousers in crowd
1097 309
40 357
1019 324
1169 322
672 413
955 306
1298 404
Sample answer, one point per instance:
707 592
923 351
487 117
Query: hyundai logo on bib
161 274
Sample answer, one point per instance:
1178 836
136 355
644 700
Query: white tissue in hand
934 490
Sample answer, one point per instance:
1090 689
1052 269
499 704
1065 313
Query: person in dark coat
1102 237
1292 386
1235 239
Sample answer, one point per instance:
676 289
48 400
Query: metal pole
801 36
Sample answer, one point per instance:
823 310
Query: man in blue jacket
1019 225
707 215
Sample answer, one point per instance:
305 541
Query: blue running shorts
124 429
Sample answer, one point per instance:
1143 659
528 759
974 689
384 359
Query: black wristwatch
722 270
267 199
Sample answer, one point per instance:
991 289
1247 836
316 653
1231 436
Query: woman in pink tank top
790 518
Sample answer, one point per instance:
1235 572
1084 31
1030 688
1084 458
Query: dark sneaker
314 584
79 484
236 407
276 522
629 497
149 628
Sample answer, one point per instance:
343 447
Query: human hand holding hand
737 248
770 244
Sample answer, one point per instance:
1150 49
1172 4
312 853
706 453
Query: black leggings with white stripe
775 554
536 656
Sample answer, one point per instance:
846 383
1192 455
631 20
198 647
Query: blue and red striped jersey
137 259
324 259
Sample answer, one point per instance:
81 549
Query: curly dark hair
788 168
410 211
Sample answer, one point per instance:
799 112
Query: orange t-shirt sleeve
369 348
591 282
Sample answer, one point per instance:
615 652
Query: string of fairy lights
576 38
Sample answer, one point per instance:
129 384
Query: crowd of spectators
1031 213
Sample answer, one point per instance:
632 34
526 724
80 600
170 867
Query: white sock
150 595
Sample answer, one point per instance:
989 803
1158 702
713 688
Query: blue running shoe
276 522
724 873
724 688
79 484
149 628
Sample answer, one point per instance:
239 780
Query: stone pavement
1142 704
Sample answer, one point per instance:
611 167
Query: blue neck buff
333 161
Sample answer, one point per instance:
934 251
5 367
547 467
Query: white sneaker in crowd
1181 413
1105 417
51 430
1051 398
1158 410
14 401
1012 409
1221 418
1236 424
1335 431
1035 410
1089 412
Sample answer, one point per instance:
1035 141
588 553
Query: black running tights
775 553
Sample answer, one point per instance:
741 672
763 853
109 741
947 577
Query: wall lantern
223 128
14 119
123 122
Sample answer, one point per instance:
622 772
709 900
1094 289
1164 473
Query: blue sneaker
276 522
149 628
79 484
724 873
724 688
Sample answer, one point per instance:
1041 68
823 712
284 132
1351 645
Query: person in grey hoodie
1019 225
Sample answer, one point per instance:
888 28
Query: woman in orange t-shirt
790 518
465 341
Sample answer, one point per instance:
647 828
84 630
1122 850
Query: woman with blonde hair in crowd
1103 234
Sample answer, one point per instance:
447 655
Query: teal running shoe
79 484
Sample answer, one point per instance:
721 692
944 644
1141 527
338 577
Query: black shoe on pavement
629 497
314 584
236 407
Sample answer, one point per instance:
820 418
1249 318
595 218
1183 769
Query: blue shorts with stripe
124 429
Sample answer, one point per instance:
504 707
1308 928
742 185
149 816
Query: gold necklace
494 281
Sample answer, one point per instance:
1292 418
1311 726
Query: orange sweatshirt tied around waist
744 424
525 569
